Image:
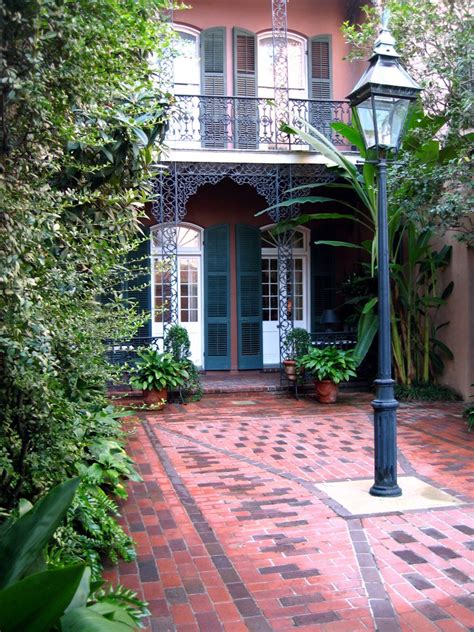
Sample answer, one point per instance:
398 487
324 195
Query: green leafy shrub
38 598
298 341
469 415
155 370
329 363
91 532
178 344
425 391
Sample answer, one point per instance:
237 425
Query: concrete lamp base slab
354 496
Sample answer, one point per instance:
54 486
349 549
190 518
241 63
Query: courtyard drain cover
243 402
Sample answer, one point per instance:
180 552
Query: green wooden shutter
217 298
213 111
245 85
320 82
139 290
249 296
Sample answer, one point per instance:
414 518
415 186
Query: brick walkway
233 535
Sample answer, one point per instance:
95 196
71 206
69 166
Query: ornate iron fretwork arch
182 180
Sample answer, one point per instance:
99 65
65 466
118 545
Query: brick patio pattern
232 533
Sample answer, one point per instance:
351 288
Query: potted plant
298 341
329 366
154 373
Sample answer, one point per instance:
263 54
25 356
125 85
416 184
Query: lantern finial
385 43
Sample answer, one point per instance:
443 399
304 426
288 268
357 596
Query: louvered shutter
139 290
245 85
249 297
213 109
320 82
217 297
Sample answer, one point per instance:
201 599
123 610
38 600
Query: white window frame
179 88
182 252
295 93
303 253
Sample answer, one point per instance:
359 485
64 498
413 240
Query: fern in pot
329 366
154 373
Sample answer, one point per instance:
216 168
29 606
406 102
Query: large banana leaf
24 539
93 619
36 603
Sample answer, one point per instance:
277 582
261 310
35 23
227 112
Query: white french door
270 304
189 286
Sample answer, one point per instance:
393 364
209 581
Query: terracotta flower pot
290 369
326 391
155 396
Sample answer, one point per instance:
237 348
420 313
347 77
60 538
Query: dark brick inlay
402 538
418 581
385 618
464 528
467 601
148 571
410 557
431 611
319 617
176 595
444 552
301 600
457 576
434 533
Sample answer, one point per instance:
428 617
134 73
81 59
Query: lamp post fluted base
385 440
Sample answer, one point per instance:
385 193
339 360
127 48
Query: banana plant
417 352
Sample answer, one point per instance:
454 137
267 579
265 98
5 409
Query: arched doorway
299 306
189 287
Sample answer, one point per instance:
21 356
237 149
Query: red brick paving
232 534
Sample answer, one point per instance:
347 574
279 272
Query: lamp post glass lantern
381 102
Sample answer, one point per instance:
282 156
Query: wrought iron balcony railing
249 123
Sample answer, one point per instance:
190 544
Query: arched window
189 242
187 73
300 243
297 68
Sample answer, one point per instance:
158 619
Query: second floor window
297 72
200 64
187 72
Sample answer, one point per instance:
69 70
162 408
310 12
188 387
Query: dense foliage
435 40
76 148
81 124
36 597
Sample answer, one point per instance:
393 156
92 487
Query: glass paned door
270 307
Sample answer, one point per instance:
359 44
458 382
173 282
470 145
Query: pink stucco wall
305 17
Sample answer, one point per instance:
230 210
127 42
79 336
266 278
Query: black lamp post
380 103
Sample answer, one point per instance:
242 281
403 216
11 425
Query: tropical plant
298 340
329 363
414 263
155 370
38 598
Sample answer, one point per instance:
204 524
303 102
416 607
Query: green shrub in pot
329 366
155 371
